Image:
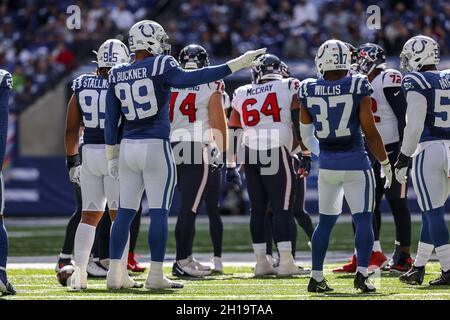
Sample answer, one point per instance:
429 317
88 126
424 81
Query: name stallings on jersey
265 113
90 92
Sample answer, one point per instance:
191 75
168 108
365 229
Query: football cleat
264 268
363 283
217 264
6 288
350 267
118 278
78 280
96 270
443 280
377 260
401 266
319 287
413 276
133 265
190 269
290 269
161 282
198 265
61 263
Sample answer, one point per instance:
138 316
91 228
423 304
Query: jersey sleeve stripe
155 65
355 87
359 86
163 64
352 87
421 76
415 79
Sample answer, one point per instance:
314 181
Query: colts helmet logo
319 55
421 49
147 30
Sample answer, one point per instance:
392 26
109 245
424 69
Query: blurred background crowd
38 48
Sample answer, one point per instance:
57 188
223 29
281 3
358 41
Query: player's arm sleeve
4 97
415 119
397 101
112 116
176 77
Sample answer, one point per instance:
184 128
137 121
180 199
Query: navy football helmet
266 67
285 72
193 56
370 57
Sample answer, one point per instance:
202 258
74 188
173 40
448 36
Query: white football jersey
385 119
265 113
189 112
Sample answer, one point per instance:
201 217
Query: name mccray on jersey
90 92
334 108
189 112
265 113
435 87
385 118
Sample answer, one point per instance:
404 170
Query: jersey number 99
138 99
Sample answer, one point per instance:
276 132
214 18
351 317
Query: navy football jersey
90 91
5 89
334 108
140 91
435 87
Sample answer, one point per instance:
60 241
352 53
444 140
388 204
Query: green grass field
236 283
35 241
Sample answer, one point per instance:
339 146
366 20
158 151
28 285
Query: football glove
304 166
233 177
245 60
386 172
74 167
401 168
215 157
113 168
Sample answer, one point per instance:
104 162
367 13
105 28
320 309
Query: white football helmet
148 35
419 51
111 53
333 55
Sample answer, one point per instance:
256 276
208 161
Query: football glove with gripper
245 60
386 172
401 168
74 167
305 166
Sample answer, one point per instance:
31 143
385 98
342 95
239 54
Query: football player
266 110
389 108
426 143
5 88
87 107
301 162
198 133
140 91
336 108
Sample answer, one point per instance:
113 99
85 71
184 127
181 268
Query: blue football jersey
435 87
5 89
90 91
334 108
140 91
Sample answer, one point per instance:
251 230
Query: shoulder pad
5 79
415 81
303 90
392 78
217 86
78 82
360 85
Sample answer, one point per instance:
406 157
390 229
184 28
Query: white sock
84 239
65 256
317 275
125 252
156 268
285 250
377 246
443 254
424 251
363 270
260 251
